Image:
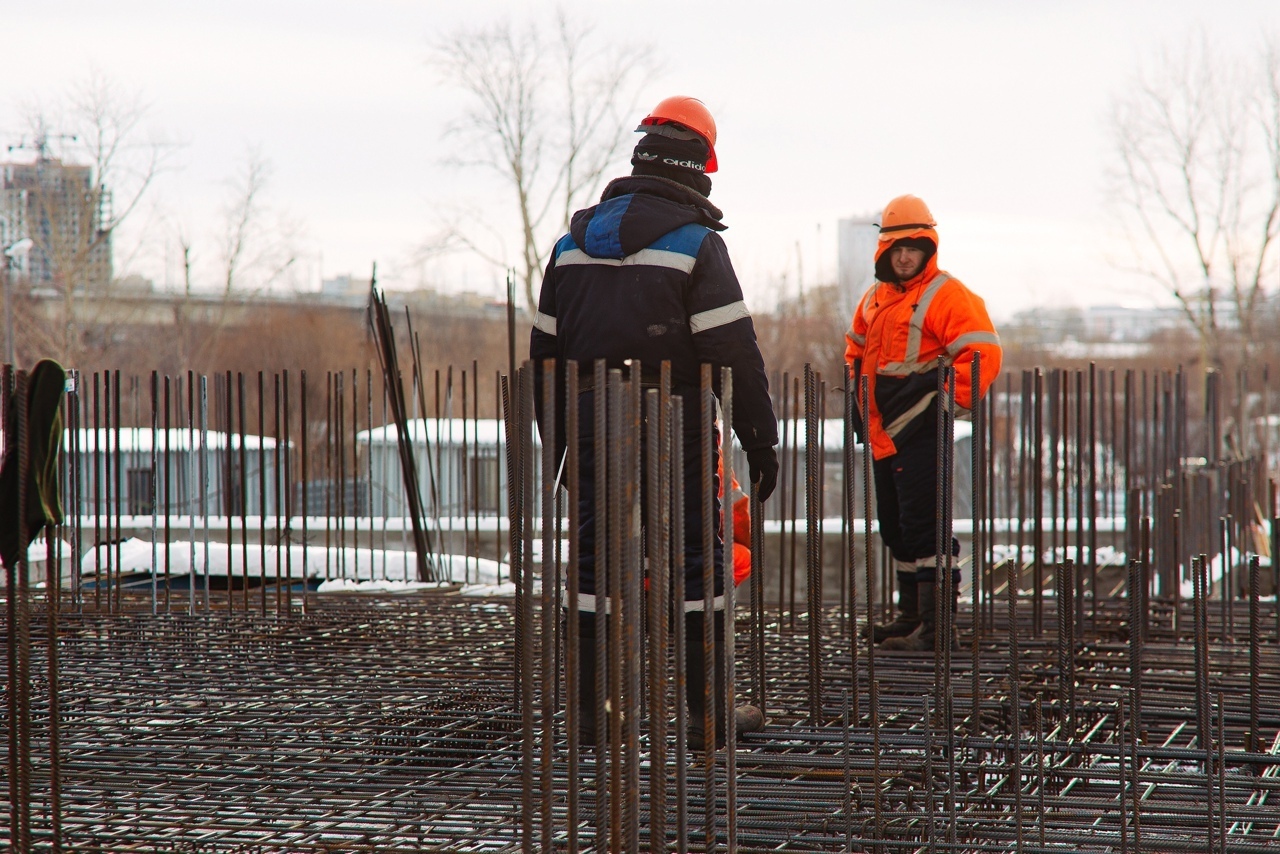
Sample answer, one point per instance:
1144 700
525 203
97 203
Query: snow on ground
340 569
1237 560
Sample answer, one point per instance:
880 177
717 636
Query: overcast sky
994 112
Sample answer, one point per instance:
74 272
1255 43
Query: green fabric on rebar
45 388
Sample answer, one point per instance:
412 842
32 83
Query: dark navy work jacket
644 276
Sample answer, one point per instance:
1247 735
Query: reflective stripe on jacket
897 336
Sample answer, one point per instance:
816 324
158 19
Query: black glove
763 463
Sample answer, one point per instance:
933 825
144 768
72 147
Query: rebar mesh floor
390 724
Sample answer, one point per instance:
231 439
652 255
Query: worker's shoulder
953 287
564 244
956 296
686 239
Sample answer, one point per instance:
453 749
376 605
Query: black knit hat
679 159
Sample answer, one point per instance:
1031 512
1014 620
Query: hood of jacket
884 273
635 211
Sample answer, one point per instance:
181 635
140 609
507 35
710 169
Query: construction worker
912 315
741 513
641 278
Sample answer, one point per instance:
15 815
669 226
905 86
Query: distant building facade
856 239
64 213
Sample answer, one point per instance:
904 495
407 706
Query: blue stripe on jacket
604 234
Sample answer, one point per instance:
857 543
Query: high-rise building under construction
65 213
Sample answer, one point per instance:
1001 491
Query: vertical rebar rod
846 792
76 463
1092 452
978 404
869 557
284 494
1056 410
678 641
1024 470
204 481
18 622
1222 774
229 494
877 798
1204 736
930 783
304 496
618 515
657 527
784 493
1121 745
524 410
573 643
850 493
1037 501
1080 448
242 432
979 460
795 498
548 428
262 492
1041 796
154 497
1253 740
730 613
275 485
707 498
1066 645
1135 642
943 581
633 607
948 603
813 535
601 461
1015 704
758 616
617 518
53 606
111 434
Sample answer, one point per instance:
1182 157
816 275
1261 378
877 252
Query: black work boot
746 718
908 617
920 640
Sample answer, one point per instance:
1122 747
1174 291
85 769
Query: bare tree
548 114
1197 187
93 165
257 250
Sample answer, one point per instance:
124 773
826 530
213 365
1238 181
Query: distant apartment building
64 213
856 239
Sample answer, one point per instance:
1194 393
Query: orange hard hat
905 216
690 113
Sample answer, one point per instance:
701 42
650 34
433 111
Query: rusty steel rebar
1146 721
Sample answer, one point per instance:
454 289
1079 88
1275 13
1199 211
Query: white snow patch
136 556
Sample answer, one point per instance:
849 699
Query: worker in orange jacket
913 315
741 527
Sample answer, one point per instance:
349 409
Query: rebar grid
260 721
388 723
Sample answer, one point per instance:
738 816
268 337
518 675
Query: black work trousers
693 507
907 500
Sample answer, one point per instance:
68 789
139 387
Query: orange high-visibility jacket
741 528
898 333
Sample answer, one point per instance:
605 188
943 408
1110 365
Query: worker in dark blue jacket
641 278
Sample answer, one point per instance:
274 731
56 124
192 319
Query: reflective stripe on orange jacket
898 333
